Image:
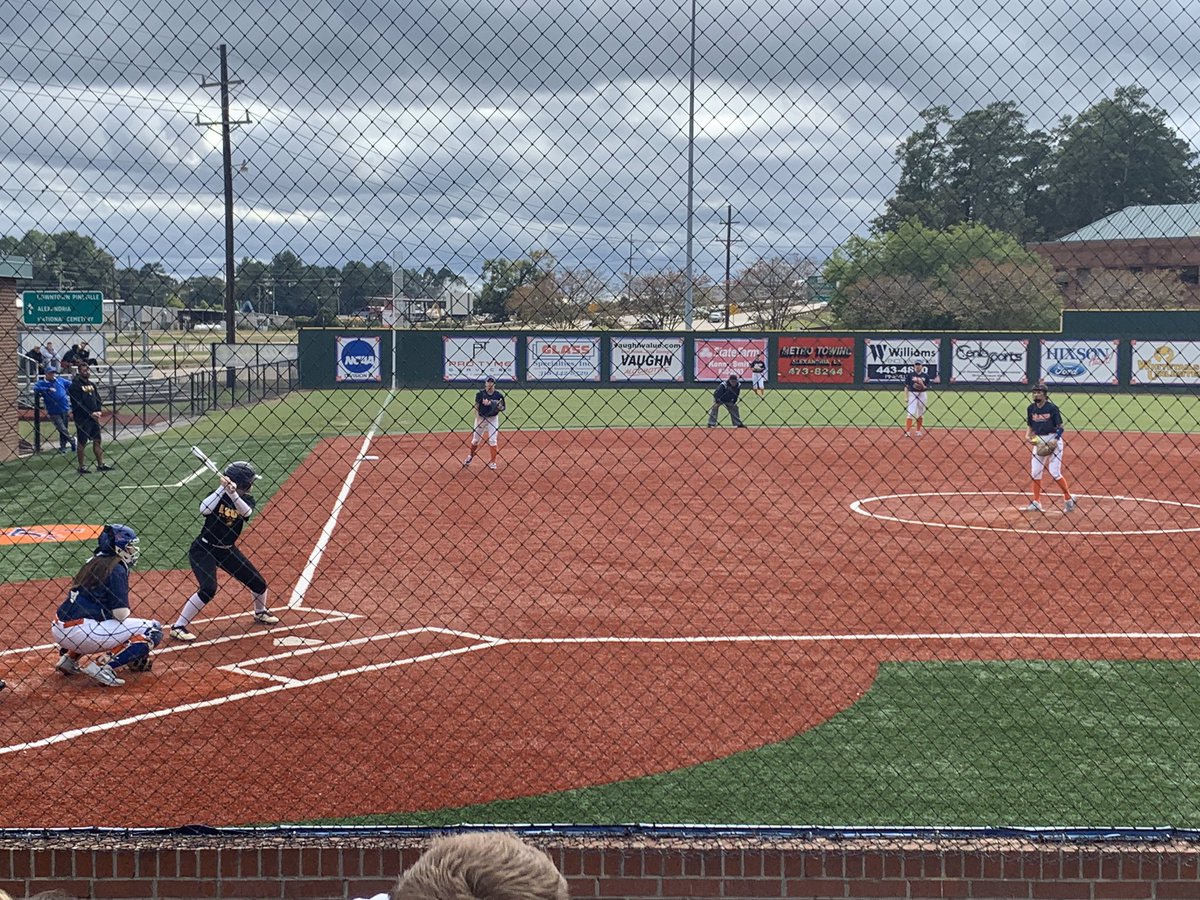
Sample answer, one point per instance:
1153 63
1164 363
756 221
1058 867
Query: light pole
688 298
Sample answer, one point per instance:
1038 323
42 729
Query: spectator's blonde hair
491 866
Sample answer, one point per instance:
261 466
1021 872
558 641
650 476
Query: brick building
12 268
1158 241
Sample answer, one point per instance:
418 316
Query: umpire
726 395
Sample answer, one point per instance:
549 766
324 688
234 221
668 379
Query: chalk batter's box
816 360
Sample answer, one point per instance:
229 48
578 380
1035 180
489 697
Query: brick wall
642 870
8 369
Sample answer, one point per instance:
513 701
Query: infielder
489 403
225 512
916 384
1045 432
758 375
95 619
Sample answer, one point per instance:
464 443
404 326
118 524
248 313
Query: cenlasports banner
646 359
1165 362
1079 362
815 360
995 362
718 358
890 359
476 358
358 359
562 359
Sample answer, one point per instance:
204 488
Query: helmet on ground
242 474
120 541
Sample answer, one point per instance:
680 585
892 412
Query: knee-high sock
1037 489
1062 483
495 451
191 609
260 602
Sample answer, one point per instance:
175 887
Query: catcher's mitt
145 664
1046 446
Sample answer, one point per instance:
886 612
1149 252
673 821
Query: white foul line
314 558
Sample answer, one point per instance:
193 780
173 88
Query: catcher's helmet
120 541
242 474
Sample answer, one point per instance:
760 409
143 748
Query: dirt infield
608 604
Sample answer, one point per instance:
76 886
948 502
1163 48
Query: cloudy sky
449 133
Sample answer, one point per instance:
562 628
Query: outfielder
489 403
916 383
1045 432
758 375
94 619
225 512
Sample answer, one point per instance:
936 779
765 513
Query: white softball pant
489 425
88 636
916 404
1039 464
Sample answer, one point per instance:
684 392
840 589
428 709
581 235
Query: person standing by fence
52 391
87 408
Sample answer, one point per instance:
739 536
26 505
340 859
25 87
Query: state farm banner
994 362
1165 362
646 359
718 358
562 359
815 360
890 359
475 358
358 359
1079 362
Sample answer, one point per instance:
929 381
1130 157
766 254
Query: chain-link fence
713 414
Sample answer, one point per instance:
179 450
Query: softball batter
489 403
1044 422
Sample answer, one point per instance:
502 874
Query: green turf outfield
1024 743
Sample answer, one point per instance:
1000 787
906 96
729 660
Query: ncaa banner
1079 362
819 360
358 359
718 358
477 358
994 362
890 359
562 359
1165 362
646 359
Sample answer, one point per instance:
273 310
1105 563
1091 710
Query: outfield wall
357 358
630 869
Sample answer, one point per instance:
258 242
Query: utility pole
227 159
728 251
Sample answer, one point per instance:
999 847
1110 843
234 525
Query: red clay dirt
511 627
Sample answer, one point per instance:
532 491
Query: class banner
562 359
477 358
1165 362
646 359
718 358
890 359
815 360
1079 362
358 359
993 362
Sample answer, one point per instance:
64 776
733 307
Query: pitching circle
863 506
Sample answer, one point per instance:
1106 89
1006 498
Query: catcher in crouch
1045 433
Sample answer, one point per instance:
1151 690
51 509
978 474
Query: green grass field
1063 743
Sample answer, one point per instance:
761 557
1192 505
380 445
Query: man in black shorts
87 407
225 511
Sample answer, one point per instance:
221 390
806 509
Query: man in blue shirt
52 391
726 395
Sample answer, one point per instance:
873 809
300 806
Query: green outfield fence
855 647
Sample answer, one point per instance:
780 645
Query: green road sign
63 307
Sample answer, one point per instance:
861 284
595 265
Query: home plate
292 640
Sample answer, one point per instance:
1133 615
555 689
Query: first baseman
489 403
225 512
916 383
1044 423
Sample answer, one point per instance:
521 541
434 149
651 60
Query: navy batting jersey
98 602
488 404
223 525
917 382
1044 420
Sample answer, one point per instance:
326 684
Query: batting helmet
242 474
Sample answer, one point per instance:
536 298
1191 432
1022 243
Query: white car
716 316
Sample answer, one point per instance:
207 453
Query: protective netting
324 240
